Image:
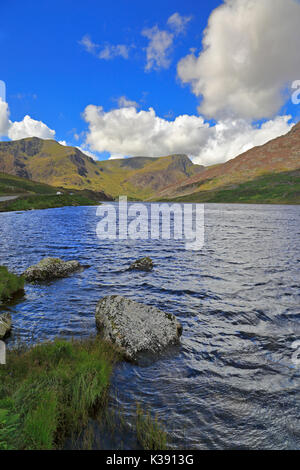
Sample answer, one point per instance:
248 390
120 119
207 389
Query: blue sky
52 75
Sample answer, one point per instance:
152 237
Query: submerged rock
136 328
142 264
50 268
5 324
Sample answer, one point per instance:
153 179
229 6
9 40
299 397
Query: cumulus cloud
28 127
178 22
230 138
4 118
105 52
126 131
159 48
250 54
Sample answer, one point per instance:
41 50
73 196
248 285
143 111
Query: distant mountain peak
47 161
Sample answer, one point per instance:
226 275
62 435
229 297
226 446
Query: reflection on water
232 384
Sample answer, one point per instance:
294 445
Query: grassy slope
277 188
33 195
45 202
11 185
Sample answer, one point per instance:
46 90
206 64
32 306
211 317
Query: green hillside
276 188
32 195
14 185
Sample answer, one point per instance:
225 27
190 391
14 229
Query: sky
126 78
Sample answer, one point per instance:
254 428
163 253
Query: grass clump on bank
49 391
150 432
10 283
49 201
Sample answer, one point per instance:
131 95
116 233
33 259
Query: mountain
49 162
268 173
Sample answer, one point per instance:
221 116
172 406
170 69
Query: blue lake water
232 384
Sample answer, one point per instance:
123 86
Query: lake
234 382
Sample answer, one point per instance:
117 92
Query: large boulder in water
142 264
136 328
5 325
50 268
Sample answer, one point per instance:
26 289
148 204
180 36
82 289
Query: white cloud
29 127
161 41
126 131
4 118
178 23
230 138
124 102
106 52
88 44
116 156
111 51
250 54
159 48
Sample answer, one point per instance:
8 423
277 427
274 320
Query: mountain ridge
279 155
246 177
49 162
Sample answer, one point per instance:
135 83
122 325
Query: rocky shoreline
126 330
133 327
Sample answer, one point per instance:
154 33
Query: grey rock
50 268
142 264
5 325
136 328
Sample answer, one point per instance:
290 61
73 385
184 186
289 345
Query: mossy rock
142 264
51 268
136 328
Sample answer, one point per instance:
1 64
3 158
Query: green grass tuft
150 432
10 284
49 391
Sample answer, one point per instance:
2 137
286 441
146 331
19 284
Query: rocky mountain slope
269 172
47 161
